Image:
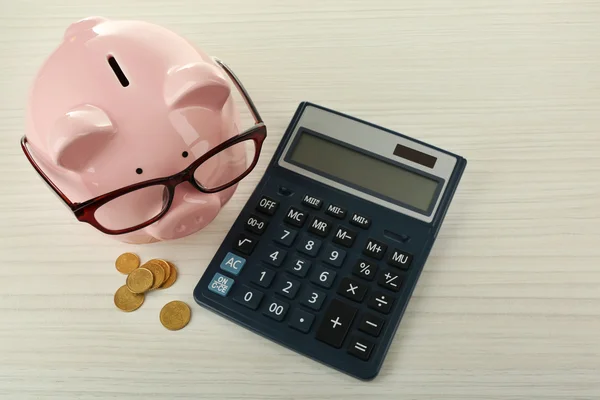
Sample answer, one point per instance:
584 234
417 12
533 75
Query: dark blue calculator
325 255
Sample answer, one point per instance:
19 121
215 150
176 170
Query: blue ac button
233 263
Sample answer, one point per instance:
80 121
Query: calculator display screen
368 172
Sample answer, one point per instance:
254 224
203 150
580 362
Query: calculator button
220 284
287 287
352 289
301 320
295 217
344 236
375 249
309 245
244 244
233 263
371 324
298 266
262 276
361 348
267 205
248 297
320 226
312 299
256 224
390 280
312 202
275 309
381 302
285 236
336 323
400 259
334 256
274 256
323 277
365 269
360 220
335 211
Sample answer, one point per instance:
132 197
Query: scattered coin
172 277
165 266
175 315
126 300
127 262
140 280
157 271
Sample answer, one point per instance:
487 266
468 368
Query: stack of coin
156 274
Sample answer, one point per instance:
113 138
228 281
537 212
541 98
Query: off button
267 206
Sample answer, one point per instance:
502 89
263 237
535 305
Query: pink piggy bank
137 131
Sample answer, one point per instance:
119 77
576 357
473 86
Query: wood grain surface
508 306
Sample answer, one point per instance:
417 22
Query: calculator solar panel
327 251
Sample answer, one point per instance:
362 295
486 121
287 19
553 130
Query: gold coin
165 266
157 271
126 300
127 262
175 315
140 280
172 277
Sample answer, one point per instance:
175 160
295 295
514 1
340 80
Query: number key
262 276
334 256
323 277
312 299
275 256
256 224
276 309
298 266
285 235
287 287
248 297
309 245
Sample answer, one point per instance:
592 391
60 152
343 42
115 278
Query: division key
336 323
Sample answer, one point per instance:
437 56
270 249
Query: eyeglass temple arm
45 177
241 89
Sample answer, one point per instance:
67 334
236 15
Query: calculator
325 254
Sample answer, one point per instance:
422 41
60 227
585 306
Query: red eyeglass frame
85 211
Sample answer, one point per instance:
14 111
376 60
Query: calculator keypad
317 267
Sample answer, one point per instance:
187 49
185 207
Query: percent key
365 269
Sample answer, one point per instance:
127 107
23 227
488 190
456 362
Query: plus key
336 323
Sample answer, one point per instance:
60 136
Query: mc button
295 217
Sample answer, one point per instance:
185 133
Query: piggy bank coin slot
118 71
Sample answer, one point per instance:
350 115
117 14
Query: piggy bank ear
78 136
83 25
196 85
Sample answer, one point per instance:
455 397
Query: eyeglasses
117 212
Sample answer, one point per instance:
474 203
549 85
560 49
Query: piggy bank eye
184 154
139 171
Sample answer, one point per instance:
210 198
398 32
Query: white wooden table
508 306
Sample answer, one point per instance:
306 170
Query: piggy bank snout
190 212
